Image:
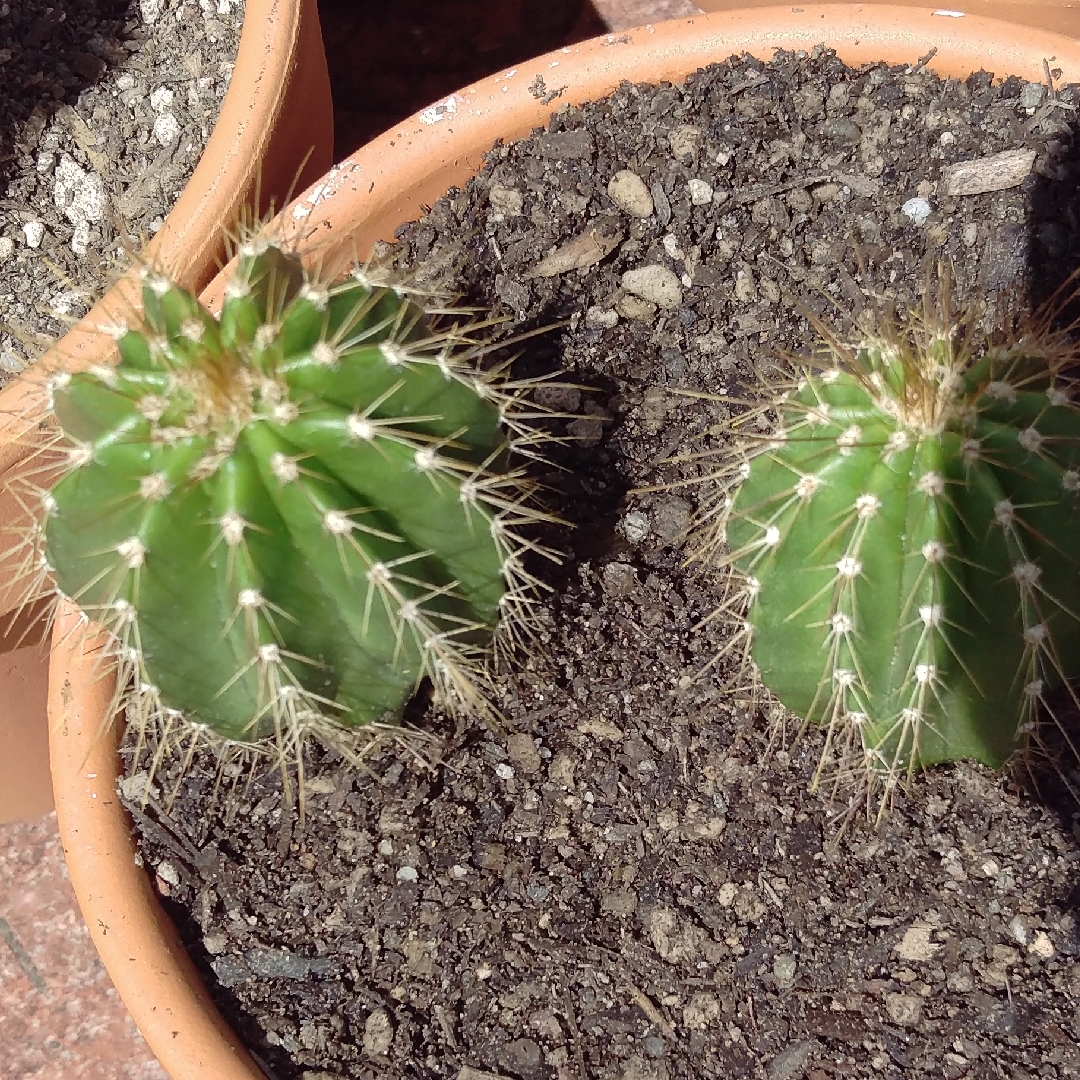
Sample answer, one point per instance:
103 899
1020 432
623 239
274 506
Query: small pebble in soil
917 210
655 284
628 191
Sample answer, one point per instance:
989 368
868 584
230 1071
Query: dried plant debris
107 109
626 883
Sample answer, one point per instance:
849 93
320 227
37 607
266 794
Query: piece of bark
994 173
586 249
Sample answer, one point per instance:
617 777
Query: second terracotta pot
360 201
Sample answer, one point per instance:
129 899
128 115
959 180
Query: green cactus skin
293 512
906 543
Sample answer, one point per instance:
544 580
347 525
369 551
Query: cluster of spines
982 441
196 399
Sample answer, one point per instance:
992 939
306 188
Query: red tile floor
60 1018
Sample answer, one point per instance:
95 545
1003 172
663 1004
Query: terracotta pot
359 201
277 112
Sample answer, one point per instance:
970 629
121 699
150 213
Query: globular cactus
906 544
289 514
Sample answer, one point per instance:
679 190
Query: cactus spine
905 542
288 515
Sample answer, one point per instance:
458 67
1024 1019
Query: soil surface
107 105
629 882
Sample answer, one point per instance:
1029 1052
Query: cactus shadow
52 53
580 469
1050 773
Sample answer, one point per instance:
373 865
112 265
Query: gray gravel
105 120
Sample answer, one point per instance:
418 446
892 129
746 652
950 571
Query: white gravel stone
151 10
64 303
629 192
656 284
784 968
78 193
916 944
701 193
34 232
1041 946
633 307
80 238
1031 95
504 771
685 141
635 526
605 318
161 99
7 247
378 1033
168 873
671 246
904 1009
1018 929
166 129
506 200
916 210
407 873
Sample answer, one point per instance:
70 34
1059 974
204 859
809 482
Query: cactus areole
908 543
295 510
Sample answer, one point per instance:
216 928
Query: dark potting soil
625 883
105 107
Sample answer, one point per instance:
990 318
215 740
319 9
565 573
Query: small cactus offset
290 514
906 542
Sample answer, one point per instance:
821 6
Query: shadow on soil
1052 259
50 55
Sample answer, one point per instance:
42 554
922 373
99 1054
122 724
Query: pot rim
381 186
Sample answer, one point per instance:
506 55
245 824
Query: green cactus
905 542
290 514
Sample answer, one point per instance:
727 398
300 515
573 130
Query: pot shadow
51 54
388 61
